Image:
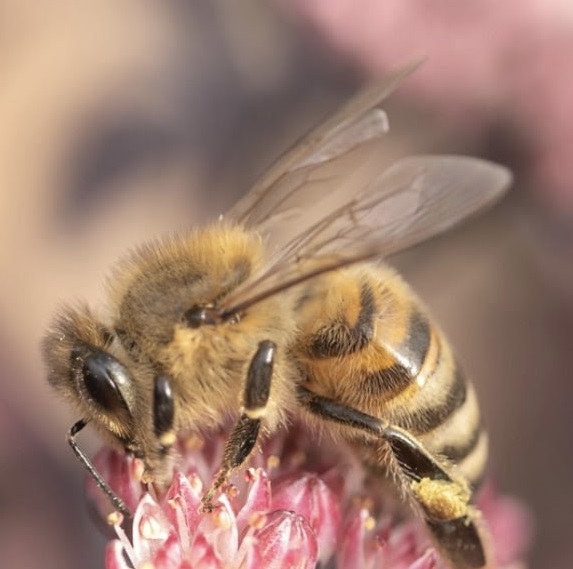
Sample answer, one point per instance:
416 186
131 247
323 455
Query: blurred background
119 121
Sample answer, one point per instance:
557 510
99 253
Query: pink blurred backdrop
121 121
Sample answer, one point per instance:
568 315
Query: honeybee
282 309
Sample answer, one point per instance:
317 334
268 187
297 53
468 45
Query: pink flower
292 508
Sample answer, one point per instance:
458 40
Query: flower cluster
291 508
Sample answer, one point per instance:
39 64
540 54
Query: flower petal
122 473
203 555
183 503
286 540
169 555
219 529
428 561
151 528
258 497
351 554
311 498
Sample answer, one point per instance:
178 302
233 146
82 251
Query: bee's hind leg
244 436
442 498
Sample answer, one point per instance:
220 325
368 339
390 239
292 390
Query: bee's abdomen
375 349
446 416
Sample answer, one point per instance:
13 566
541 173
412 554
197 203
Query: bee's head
128 402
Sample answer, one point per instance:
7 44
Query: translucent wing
283 185
378 213
332 200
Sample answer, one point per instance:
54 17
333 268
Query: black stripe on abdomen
436 415
414 348
337 338
386 382
456 453
412 352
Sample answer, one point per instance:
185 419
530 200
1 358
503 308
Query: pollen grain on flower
301 514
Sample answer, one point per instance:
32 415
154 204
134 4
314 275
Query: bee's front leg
244 436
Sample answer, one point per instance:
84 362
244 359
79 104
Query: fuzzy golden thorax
147 334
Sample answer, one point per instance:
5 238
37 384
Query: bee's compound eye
198 316
104 379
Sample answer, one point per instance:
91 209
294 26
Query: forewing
382 213
359 121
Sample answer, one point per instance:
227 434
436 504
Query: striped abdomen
367 342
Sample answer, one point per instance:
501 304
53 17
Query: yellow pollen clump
115 519
442 499
369 523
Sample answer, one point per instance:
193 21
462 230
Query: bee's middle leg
244 436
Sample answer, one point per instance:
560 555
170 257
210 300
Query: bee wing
378 214
283 185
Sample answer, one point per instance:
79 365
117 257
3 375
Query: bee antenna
116 501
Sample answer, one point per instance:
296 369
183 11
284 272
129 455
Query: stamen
126 544
150 528
221 518
257 520
182 529
196 483
273 462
